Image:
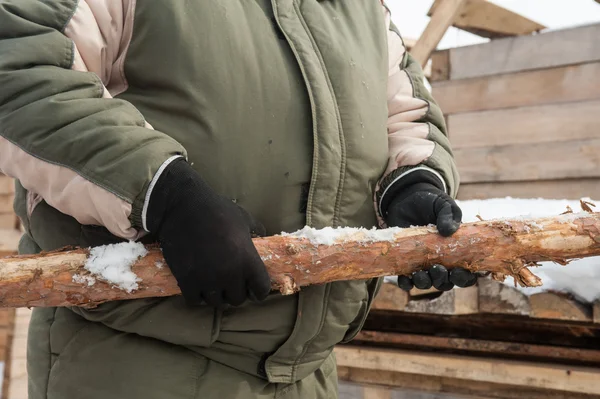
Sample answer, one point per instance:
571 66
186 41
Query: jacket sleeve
416 128
62 135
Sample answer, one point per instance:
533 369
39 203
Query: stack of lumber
522 114
8 220
486 341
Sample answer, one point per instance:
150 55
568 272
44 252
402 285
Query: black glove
206 240
420 201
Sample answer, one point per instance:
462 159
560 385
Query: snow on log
88 277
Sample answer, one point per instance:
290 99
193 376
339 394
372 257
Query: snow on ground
581 278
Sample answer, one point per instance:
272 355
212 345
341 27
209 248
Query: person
197 124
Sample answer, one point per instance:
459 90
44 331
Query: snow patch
330 235
112 263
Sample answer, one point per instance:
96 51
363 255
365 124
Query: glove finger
449 216
439 276
214 298
405 283
445 287
258 281
462 277
257 229
422 280
236 292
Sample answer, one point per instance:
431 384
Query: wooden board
546 86
390 297
6 203
445 387
508 372
489 20
9 241
542 161
435 30
7 185
549 189
8 221
440 66
16 374
458 301
523 53
526 125
482 347
549 305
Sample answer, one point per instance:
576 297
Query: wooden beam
484 347
390 297
521 89
551 123
435 30
508 372
523 53
543 161
572 189
7 185
440 66
459 301
9 241
489 20
444 387
550 305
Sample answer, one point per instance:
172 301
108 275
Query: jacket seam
315 123
340 128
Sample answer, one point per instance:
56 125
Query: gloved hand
421 204
206 240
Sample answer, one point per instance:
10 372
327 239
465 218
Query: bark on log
502 247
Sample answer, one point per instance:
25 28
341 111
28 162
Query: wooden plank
7 185
510 372
543 161
440 67
443 386
546 86
435 30
549 305
480 346
526 125
458 301
499 298
9 240
8 220
489 20
549 189
6 203
522 53
371 392
390 297
596 309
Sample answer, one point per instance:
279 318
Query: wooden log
503 247
524 53
557 377
551 123
549 189
517 162
435 30
545 86
489 20
550 305
480 346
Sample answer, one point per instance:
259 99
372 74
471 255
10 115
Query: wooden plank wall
523 114
8 220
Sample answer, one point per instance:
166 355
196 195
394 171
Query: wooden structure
479 17
8 220
522 114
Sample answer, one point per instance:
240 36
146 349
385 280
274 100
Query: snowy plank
552 49
546 86
458 301
499 298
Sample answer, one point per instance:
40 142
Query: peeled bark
502 247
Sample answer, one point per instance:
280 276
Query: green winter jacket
304 112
